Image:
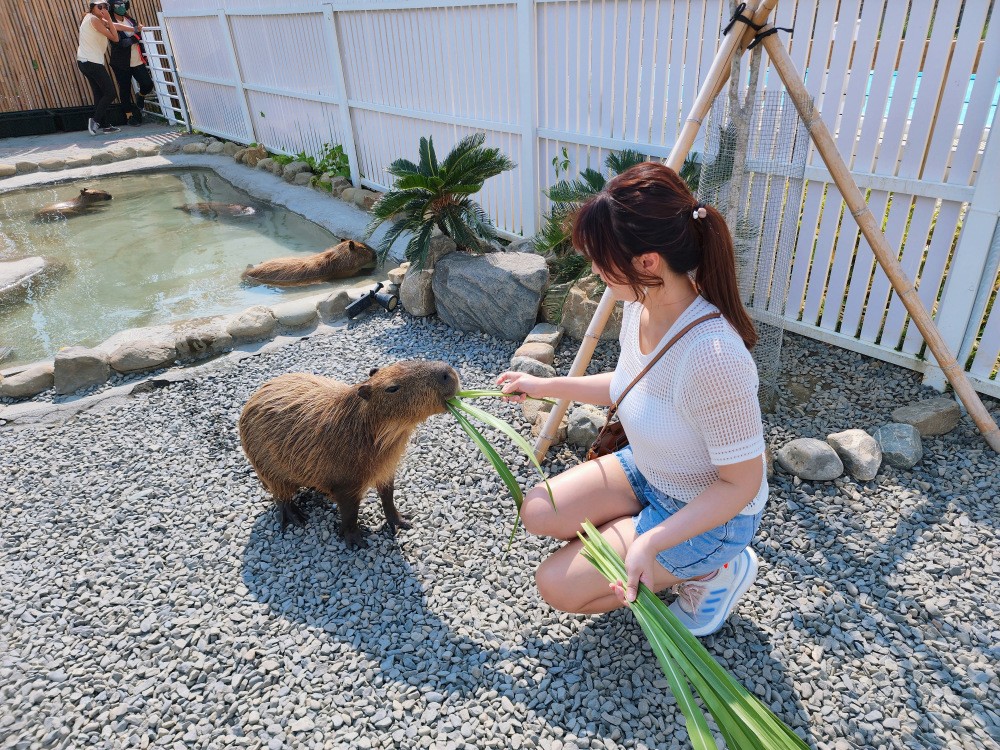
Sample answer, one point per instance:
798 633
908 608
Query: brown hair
648 209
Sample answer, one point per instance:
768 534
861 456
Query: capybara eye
392 389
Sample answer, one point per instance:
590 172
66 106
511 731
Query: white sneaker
92 126
703 606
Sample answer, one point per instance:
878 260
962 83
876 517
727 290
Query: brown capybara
338 262
215 210
302 430
85 202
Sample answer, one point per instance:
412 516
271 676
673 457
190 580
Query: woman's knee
551 583
538 515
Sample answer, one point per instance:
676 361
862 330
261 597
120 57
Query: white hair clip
699 212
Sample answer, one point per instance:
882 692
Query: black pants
103 88
124 77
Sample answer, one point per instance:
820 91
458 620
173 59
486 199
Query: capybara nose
449 379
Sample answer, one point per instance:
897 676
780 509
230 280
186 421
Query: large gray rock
545 333
584 424
859 451
293 168
194 148
808 458
333 306
296 313
900 443
8 170
935 416
138 356
416 293
231 149
522 245
31 381
26 167
579 308
544 353
52 165
396 275
216 147
267 165
532 367
203 337
441 245
253 324
532 407
16 274
497 294
76 367
303 178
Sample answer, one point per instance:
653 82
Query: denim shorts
699 555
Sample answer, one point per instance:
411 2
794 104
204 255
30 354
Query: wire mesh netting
752 171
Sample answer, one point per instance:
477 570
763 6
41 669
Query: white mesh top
696 409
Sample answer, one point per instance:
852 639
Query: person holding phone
96 30
127 62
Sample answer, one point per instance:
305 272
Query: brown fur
81 204
338 262
301 430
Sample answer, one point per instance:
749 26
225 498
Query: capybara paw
354 539
399 522
291 514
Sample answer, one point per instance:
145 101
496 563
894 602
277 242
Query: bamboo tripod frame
732 45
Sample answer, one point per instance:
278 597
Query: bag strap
654 360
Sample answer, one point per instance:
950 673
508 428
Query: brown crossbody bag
612 436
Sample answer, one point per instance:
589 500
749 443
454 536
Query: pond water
138 260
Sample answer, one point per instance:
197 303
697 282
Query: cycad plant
429 195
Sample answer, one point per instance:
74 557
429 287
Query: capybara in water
215 210
338 262
302 430
85 202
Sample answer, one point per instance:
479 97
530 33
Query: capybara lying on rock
214 210
85 202
302 430
338 262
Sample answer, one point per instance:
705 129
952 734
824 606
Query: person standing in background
127 62
96 30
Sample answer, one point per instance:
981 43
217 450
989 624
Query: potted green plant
428 195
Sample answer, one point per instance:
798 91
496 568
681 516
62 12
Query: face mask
121 9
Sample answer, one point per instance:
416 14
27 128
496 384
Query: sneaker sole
726 607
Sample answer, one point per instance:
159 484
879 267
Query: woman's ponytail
715 276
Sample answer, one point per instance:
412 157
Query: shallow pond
137 260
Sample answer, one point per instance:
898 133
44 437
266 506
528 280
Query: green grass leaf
491 453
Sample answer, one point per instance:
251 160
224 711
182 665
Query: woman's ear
648 262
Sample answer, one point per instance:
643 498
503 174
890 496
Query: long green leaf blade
490 452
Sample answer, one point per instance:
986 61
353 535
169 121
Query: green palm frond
428 159
618 162
402 167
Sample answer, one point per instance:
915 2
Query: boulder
200 338
440 246
231 149
416 293
545 333
900 444
253 324
8 170
274 167
215 147
544 353
521 245
26 167
396 275
77 367
579 308
296 313
859 451
337 183
497 294
293 168
124 153
332 306
561 430
935 416
75 162
194 148
365 199
16 274
30 381
584 423
240 155
101 157
808 458
52 165
532 407
149 150
303 178
532 367
171 147
266 165
139 356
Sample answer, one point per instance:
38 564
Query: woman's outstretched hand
639 562
521 385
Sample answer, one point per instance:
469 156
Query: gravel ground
149 598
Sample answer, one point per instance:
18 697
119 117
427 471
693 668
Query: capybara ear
83 191
372 371
351 246
365 391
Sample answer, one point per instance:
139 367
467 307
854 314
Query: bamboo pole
732 44
886 256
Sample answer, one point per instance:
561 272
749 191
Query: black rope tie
761 29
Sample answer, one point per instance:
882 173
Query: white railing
912 115
169 102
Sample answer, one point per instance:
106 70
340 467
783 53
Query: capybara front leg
350 531
291 514
393 518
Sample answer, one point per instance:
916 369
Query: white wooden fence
909 89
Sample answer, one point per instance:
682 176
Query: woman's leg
597 491
123 77
569 582
103 88
141 74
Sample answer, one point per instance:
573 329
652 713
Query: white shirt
136 58
695 410
93 44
